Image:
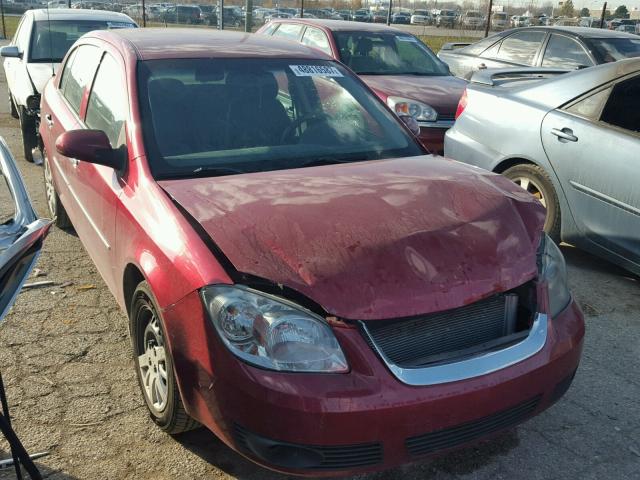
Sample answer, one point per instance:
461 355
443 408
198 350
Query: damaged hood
373 240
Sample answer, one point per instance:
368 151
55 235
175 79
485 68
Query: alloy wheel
152 360
532 187
50 191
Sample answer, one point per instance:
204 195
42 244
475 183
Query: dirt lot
65 355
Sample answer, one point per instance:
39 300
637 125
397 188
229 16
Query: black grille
442 336
446 117
308 457
467 432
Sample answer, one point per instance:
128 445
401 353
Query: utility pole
220 14
4 27
301 8
248 18
488 25
389 13
144 14
604 9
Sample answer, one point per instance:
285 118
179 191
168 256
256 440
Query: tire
540 185
12 106
29 135
54 205
147 334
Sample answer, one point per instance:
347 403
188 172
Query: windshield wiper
319 161
202 172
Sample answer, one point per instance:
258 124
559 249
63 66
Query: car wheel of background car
537 182
12 106
56 209
154 365
29 137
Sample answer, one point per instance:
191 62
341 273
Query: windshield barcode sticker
315 71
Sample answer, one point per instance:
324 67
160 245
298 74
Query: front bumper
364 420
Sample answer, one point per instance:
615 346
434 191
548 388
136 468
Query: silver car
572 140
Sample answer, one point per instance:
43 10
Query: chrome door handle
49 120
482 66
565 134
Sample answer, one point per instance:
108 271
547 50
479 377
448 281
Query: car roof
584 32
341 25
78 14
159 43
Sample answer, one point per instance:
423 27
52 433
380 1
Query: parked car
21 231
627 28
572 141
520 21
446 18
566 47
260 216
379 16
396 65
362 15
472 19
401 18
187 14
499 21
421 17
41 40
345 14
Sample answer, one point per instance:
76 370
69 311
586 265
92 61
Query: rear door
593 145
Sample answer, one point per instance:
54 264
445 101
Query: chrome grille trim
481 364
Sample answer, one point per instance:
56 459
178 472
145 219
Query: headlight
553 270
420 111
272 333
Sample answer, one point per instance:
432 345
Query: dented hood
373 240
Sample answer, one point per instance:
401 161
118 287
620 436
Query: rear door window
79 74
521 47
565 52
288 30
622 109
316 38
106 109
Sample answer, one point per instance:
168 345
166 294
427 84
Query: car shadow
460 462
583 260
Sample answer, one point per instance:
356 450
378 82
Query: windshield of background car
207 117
613 49
373 53
50 40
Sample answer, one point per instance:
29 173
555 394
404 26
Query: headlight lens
272 333
420 111
553 270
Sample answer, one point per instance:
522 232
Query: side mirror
90 146
411 123
10 51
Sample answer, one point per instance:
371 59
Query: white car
41 41
421 17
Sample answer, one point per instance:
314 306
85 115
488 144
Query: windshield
387 53
613 49
50 40
207 117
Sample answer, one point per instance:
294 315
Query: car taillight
462 104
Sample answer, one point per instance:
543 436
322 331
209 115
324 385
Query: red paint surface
373 240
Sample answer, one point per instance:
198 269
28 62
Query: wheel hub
153 366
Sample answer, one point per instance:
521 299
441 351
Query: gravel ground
65 356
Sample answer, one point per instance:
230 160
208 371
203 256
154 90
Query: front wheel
29 134
154 365
536 181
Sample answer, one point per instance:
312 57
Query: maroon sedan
300 277
402 71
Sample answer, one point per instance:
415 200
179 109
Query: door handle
565 134
482 66
49 120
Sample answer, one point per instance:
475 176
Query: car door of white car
593 145
15 69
